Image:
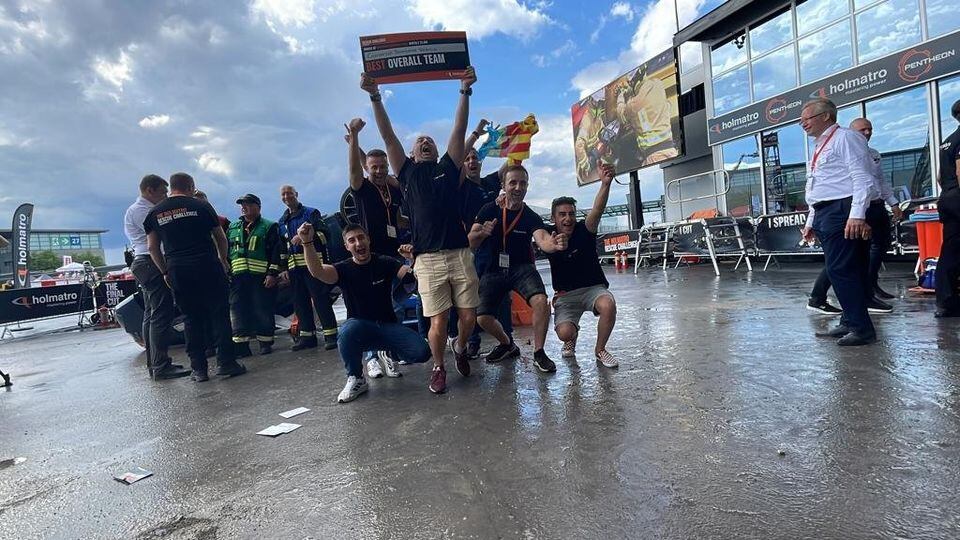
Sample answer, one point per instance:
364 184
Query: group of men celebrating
469 247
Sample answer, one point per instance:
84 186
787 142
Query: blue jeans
359 335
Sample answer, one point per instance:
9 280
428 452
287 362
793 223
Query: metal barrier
716 195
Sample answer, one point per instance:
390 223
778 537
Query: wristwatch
467 92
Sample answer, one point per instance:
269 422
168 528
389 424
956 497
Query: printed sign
781 233
919 64
20 245
42 302
610 243
415 56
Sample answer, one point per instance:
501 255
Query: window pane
741 157
691 56
772 33
900 124
727 56
774 73
887 27
949 94
813 14
825 52
785 169
943 16
845 117
731 91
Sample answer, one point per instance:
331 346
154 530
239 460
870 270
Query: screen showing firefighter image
633 122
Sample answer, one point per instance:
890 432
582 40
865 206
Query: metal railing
715 195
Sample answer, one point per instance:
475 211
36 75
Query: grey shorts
570 306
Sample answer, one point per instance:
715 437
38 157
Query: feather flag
511 142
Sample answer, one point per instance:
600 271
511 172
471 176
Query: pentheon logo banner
20 245
917 65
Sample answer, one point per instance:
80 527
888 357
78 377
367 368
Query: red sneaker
438 380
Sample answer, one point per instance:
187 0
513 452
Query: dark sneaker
170 372
941 313
438 380
854 339
266 348
835 332
875 305
463 363
543 362
306 342
199 376
243 350
231 370
502 352
823 307
473 349
330 342
882 294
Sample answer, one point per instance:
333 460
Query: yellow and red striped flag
511 142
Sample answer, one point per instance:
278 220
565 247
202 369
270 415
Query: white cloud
482 18
297 13
567 49
210 150
154 121
622 9
595 76
110 75
214 163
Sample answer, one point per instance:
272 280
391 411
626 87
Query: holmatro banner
20 245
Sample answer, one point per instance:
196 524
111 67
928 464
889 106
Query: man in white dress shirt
157 298
839 191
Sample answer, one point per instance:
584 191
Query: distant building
60 241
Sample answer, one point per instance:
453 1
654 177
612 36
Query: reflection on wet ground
726 419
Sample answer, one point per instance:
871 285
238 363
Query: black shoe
823 307
170 372
243 349
835 332
463 363
854 339
199 376
329 343
502 352
945 313
882 294
875 305
306 342
231 370
543 362
265 348
473 350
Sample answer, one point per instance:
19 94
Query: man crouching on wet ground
366 281
578 279
505 233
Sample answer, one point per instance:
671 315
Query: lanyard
816 153
386 200
507 230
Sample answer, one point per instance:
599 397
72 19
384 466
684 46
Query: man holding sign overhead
444 267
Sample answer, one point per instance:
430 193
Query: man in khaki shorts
578 278
446 276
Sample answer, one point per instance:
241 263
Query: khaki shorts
447 279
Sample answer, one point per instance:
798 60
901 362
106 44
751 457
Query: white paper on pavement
294 412
278 429
137 474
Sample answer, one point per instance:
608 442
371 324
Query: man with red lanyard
839 190
505 234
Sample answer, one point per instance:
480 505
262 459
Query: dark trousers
201 291
879 221
847 264
948 265
157 311
310 293
251 308
504 316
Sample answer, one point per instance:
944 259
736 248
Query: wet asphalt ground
726 419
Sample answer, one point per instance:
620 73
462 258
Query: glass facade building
59 241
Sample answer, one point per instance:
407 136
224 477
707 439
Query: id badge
504 260
391 231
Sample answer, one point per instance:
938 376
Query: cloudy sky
248 95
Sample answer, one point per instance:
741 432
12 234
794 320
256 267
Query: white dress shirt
133 225
884 188
840 167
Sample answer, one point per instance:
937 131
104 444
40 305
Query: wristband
376 97
476 134
467 92
307 243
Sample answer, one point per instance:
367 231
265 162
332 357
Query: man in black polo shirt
366 281
505 233
578 279
948 266
445 274
193 261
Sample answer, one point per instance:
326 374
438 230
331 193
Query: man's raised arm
455 144
326 273
607 173
395 154
353 153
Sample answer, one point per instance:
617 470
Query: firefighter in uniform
255 262
306 287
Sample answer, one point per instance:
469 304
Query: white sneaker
569 349
352 389
389 365
373 369
452 342
607 359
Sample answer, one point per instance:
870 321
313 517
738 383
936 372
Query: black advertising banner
688 238
919 64
610 243
781 233
415 56
41 302
20 245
